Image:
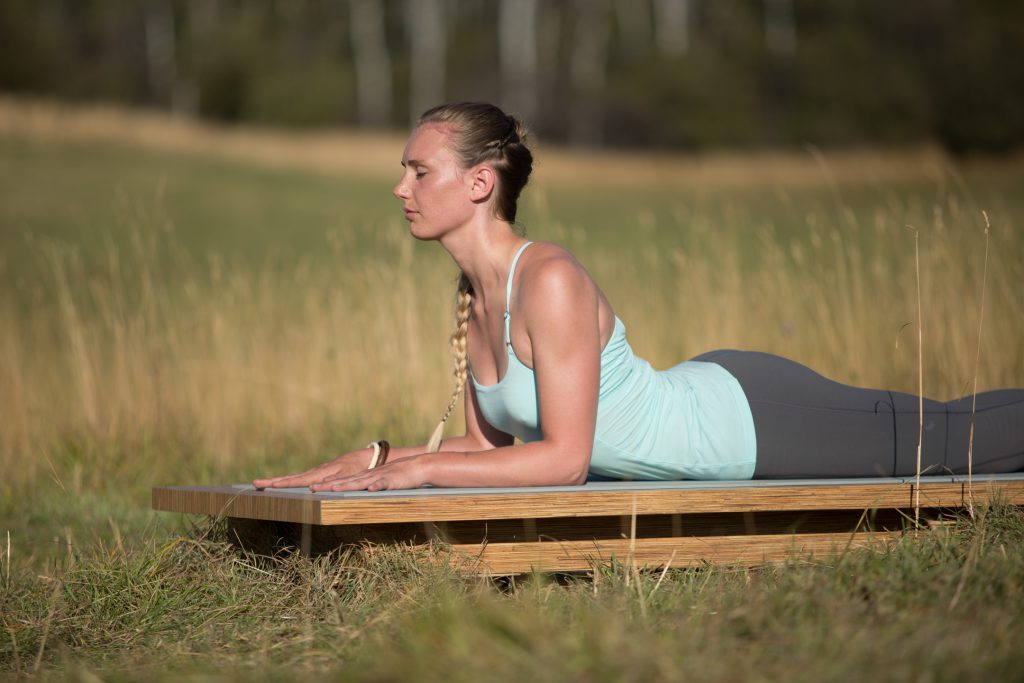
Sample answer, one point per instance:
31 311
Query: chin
421 234
417 234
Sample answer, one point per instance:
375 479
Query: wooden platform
507 531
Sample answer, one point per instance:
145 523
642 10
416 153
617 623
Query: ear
481 182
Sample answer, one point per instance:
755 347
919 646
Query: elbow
569 465
578 470
577 476
573 478
578 479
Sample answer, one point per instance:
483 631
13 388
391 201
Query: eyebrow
412 162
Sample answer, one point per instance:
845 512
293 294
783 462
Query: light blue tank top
691 421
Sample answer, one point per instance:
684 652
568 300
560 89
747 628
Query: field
181 304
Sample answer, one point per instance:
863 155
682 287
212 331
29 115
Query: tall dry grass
223 359
153 347
217 357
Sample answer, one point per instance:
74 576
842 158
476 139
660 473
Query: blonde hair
480 132
463 302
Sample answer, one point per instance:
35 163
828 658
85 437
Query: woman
546 360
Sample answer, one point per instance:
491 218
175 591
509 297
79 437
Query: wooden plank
229 501
587 504
514 558
475 532
985 492
452 505
506 531
570 544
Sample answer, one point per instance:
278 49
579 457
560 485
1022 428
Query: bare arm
479 436
561 315
353 462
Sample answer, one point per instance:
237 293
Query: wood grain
570 529
226 501
514 558
452 505
507 547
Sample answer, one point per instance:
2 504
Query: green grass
944 606
92 194
106 192
189 317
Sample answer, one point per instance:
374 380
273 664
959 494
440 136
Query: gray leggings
809 426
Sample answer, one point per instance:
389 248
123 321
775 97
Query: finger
342 477
356 482
286 481
274 482
376 472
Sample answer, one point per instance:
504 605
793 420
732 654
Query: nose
401 191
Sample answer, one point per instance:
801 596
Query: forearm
538 463
352 462
456 444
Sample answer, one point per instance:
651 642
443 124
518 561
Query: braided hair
480 133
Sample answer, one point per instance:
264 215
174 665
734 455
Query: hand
343 466
408 473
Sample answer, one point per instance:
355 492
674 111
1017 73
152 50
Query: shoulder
547 267
552 280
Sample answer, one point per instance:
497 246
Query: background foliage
735 73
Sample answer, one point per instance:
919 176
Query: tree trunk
200 19
517 41
634 21
161 56
426 28
779 27
672 26
372 62
588 67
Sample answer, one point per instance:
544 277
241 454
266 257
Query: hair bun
513 132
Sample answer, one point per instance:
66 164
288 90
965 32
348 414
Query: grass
187 305
944 605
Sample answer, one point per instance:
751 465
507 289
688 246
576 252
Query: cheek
449 196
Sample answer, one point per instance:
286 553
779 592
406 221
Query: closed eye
417 166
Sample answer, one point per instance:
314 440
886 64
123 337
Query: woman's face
435 192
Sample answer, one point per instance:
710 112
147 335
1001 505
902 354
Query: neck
484 252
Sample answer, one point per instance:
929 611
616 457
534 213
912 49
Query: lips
409 213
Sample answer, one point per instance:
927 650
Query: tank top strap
508 291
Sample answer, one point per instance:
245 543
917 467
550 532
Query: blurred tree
672 26
588 64
977 81
625 72
32 50
425 26
161 53
633 18
372 62
517 42
779 27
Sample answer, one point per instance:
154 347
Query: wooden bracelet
380 453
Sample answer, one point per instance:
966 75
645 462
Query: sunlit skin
560 321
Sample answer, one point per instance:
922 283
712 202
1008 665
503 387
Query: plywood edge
509 558
310 508
227 501
987 492
605 503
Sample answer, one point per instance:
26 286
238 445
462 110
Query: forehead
428 142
